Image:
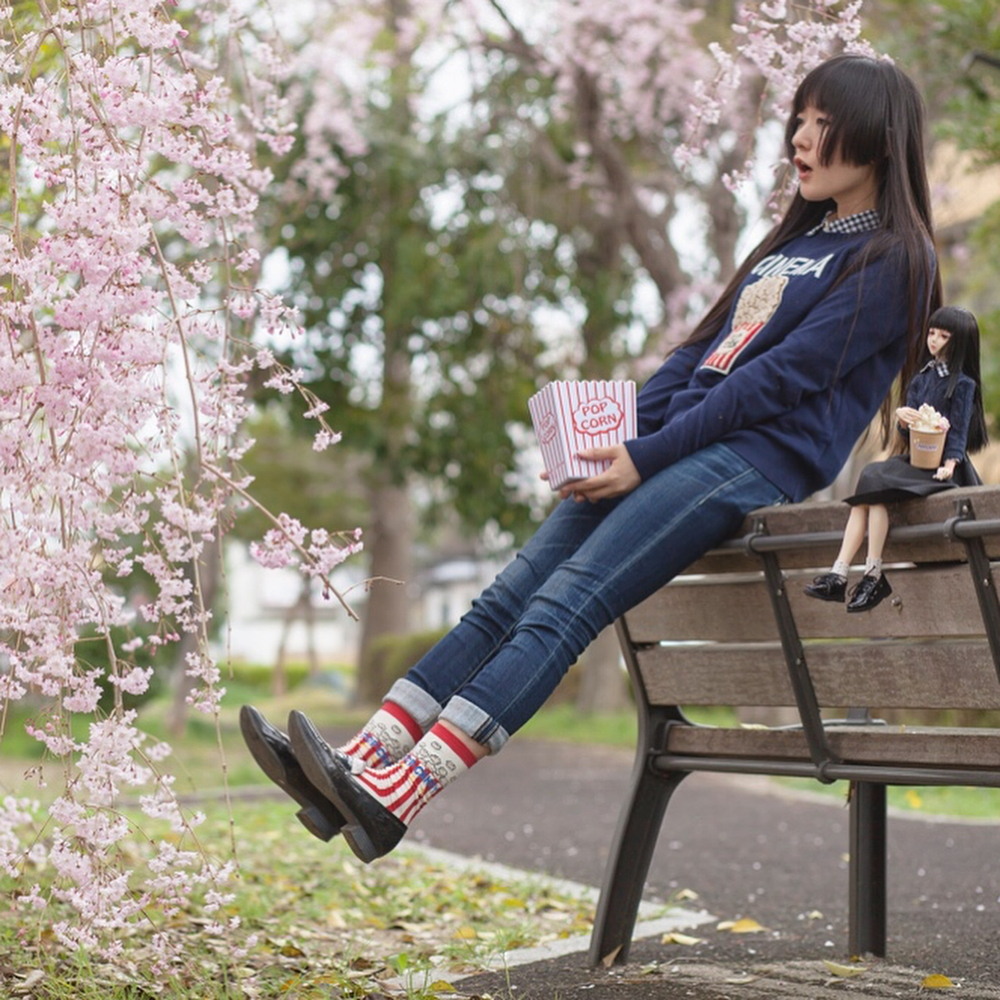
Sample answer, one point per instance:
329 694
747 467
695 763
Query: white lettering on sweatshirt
779 264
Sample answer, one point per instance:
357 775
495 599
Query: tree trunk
302 608
387 608
602 682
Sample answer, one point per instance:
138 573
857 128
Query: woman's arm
673 375
859 321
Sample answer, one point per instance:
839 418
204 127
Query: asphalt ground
734 847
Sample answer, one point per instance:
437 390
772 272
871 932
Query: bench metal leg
867 894
628 864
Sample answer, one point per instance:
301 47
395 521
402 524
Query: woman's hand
617 479
907 415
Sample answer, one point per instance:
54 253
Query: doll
949 382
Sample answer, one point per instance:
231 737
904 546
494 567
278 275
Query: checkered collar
860 222
941 367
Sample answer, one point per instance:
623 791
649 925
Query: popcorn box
926 448
570 416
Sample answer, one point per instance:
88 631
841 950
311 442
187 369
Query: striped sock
389 734
405 787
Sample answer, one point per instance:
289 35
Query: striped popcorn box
570 416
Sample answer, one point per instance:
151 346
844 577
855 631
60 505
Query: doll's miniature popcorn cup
569 417
927 436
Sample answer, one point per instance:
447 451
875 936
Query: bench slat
831 516
916 747
926 601
880 675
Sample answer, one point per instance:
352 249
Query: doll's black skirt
895 479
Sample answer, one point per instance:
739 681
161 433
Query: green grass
949 800
314 921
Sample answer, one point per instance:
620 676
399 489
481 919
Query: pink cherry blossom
128 311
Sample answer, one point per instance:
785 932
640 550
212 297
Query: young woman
949 382
761 405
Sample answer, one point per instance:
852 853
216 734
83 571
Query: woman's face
852 187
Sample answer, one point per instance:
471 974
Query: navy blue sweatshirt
795 375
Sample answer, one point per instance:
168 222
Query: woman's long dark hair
962 356
876 116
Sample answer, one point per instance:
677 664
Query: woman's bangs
850 91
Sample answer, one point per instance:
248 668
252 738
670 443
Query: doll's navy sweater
795 375
931 387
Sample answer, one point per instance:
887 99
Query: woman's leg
461 653
650 536
653 534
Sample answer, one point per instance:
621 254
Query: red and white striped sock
405 787
387 736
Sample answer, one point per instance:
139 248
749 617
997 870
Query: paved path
747 850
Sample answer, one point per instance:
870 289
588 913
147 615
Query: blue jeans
585 566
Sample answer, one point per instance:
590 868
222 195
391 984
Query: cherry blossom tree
129 294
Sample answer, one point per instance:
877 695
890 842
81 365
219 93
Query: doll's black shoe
868 592
828 587
272 750
369 828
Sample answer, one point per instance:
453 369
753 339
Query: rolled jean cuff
422 708
475 723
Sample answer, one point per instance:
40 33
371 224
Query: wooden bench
737 630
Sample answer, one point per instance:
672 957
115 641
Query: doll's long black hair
962 357
877 117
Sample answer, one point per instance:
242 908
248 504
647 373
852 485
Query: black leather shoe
868 592
828 587
273 752
369 828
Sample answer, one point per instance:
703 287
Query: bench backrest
712 637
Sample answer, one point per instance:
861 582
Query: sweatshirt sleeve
672 376
857 320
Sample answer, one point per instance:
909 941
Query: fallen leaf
609 959
27 986
937 982
466 933
685 894
673 937
846 971
747 925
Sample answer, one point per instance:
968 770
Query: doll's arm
946 470
906 416
960 413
